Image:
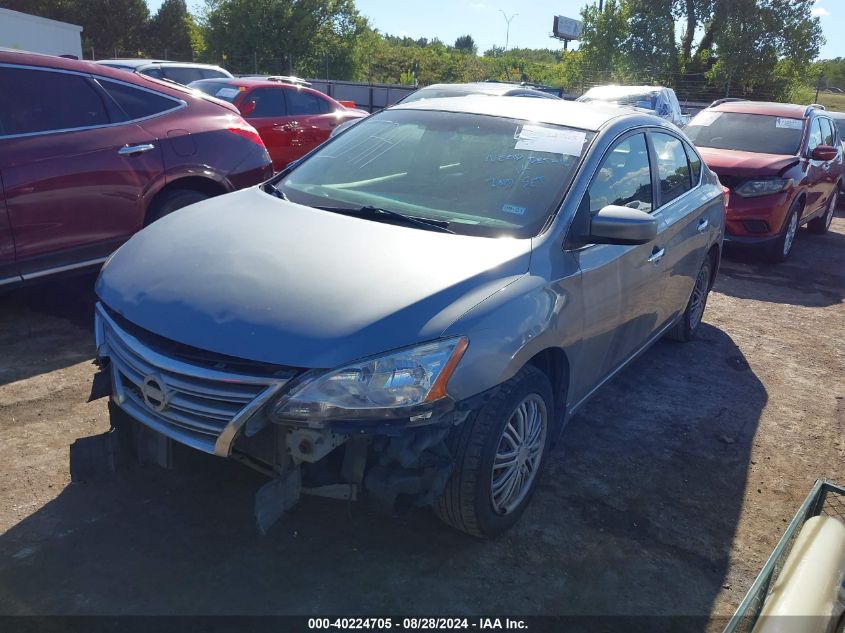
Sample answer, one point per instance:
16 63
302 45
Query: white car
657 100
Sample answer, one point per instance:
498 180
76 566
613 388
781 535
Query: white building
26 32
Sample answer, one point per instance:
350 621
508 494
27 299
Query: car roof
586 116
613 90
839 116
101 70
140 63
60 63
486 87
790 110
252 82
128 63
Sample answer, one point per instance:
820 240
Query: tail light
245 130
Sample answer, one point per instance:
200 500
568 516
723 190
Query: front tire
687 327
499 453
781 248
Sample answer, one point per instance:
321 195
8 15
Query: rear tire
483 501
173 200
781 248
687 326
821 225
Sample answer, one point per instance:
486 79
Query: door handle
703 224
657 255
131 150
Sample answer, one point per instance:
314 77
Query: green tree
465 44
281 36
603 38
171 30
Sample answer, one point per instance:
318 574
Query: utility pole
818 86
508 29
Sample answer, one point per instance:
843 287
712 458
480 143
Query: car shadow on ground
34 328
636 514
813 276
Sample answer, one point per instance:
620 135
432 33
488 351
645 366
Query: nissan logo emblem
155 393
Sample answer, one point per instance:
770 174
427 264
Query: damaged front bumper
399 463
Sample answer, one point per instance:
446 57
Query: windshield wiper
273 190
378 213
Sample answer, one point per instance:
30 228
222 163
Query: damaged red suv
782 165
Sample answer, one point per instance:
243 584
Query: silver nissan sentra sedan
413 311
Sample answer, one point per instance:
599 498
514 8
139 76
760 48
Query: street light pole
508 30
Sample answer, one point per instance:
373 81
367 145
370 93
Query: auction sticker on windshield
550 140
790 124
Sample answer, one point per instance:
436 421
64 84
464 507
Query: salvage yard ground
670 490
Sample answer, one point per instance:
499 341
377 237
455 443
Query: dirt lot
672 486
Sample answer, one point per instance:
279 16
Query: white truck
21 31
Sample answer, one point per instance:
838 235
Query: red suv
291 118
89 155
782 164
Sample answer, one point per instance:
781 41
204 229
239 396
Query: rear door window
672 166
305 103
183 74
137 103
269 102
624 177
46 101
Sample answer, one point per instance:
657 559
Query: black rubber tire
774 252
684 330
173 200
821 224
466 504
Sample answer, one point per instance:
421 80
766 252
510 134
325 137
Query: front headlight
763 187
375 387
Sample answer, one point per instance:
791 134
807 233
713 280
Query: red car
782 164
89 155
291 118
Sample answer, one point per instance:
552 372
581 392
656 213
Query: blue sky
449 19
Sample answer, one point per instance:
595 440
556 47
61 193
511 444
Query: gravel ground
670 490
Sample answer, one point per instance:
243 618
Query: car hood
251 276
729 162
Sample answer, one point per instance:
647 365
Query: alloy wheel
699 297
831 209
791 230
519 454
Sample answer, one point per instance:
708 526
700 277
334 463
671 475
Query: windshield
438 93
761 133
220 89
638 99
482 175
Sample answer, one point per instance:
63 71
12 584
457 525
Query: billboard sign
567 28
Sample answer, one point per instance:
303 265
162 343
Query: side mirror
824 153
247 108
622 225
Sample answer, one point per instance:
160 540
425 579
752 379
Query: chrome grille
198 406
